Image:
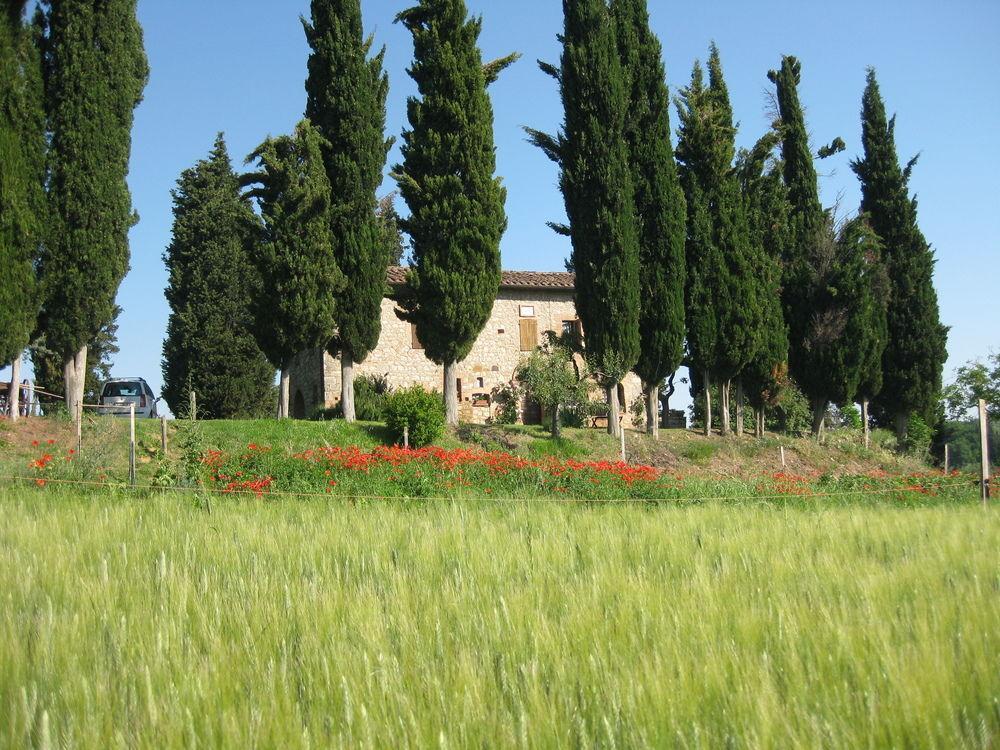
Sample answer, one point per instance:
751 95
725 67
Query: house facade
527 306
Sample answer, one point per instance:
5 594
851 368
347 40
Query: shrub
417 409
505 398
918 437
637 409
370 394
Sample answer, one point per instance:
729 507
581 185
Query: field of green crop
158 622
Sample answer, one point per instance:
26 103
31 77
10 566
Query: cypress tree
294 308
916 347
873 310
447 179
813 264
22 177
95 70
659 203
210 347
725 291
346 102
596 183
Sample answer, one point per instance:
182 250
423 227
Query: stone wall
492 361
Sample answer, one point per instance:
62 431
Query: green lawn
152 622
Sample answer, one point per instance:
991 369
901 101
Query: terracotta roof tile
396 276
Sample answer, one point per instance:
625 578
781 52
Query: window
118 390
527 311
414 341
529 334
480 383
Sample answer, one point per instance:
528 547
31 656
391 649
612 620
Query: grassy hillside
151 623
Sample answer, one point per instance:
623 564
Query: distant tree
346 102
659 203
294 307
974 380
916 348
22 178
873 309
95 72
815 317
210 347
549 377
390 232
597 186
447 179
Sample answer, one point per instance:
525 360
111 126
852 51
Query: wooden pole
985 451
131 445
163 436
193 408
78 418
406 436
621 432
782 457
14 394
947 459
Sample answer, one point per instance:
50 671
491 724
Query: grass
149 623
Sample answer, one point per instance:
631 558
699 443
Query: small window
527 311
414 341
458 387
529 334
501 331
480 383
116 390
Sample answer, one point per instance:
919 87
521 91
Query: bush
505 398
421 411
370 394
918 437
637 409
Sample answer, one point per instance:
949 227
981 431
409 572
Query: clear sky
238 66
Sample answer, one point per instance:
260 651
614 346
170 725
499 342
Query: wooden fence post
163 436
78 418
984 442
621 432
947 459
131 445
193 407
406 436
782 457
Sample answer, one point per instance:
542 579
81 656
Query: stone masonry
528 305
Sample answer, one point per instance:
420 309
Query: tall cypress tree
873 309
346 102
724 293
22 177
659 203
294 308
210 347
597 187
916 348
96 70
447 179
813 263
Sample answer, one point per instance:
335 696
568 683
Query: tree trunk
865 425
739 407
612 396
74 380
652 401
450 394
724 407
13 398
902 420
347 386
708 404
665 400
283 388
819 414
555 420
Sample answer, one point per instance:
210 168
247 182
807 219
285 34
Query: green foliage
370 395
96 70
597 183
346 102
791 414
549 377
850 417
659 199
47 365
962 438
916 348
293 254
918 437
505 399
390 231
447 179
420 410
209 345
700 452
22 179
974 380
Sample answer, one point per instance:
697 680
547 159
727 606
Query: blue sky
239 65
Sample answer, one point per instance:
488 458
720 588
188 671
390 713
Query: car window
114 390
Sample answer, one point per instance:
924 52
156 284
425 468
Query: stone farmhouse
527 305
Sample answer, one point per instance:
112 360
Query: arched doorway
298 405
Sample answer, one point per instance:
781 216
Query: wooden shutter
529 334
414 341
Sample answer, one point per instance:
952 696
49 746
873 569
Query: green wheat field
158 623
